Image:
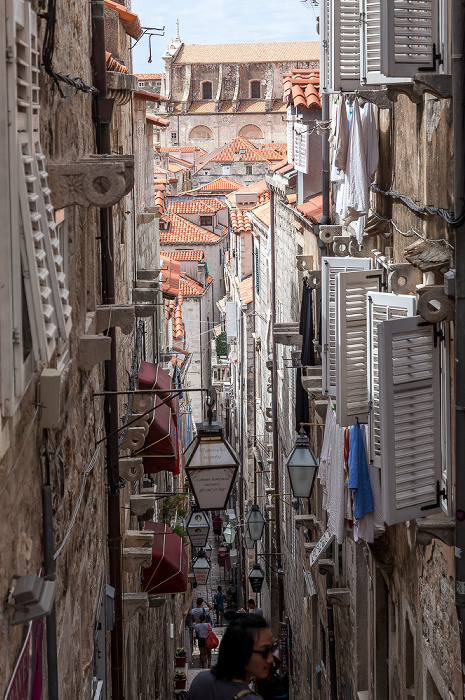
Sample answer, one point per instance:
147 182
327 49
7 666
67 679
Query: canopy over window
168 572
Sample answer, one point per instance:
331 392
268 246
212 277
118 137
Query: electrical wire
448 216
413 232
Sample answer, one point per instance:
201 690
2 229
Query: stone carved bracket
308 521
134 440
136 557
140 504
110 315
435 528
92 350
98 181
326 566
134 603
138 538
437 84
156 601
338 596
131 468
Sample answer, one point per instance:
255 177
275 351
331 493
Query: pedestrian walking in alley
202 608
245 652
202 628
219 600
217 527
252 607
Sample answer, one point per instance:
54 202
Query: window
174 136
207 90
142 84
255 89
226 170
206 221
248 170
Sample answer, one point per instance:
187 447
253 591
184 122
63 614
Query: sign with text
198 527
212 453
212 486
324 542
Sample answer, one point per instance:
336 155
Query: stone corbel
92 350
110 315
141 295
138 538
312 380
437 84
340 596
131 468
304 262
145 217
308 521
120 86
139 505
134 603
156 601
98 181
141 422
326 566
136 557
435 528
135 438
145 310
309 547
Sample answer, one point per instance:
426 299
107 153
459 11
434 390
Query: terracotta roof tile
252 107
158 121
178 330
129 20
260 187
160 197
246 290
170 271
203 107
180 161
176 167
240 222
301 88
160 171
226 107
113 65
196 206
250 52
279 106
270 154
240 143
221 184
178 349
263 213
193 255
190 287
148 96
150 76
313 209
182 231
183 149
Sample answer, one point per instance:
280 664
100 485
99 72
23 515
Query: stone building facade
218 92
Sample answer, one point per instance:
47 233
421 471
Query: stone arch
251 131
207 90
201 132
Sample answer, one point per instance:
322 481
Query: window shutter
290 135
410 428
351 355
371 40
325 46
345 45
257 271
330 269
409 29
380 307
301 147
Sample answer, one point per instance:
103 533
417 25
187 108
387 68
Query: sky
220 22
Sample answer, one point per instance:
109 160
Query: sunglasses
266 651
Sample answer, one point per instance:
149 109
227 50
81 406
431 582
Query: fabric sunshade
168 572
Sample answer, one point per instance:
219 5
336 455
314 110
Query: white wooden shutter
301 147
290 135
380 307
371 40
329 270
409 29
410 426
344 45
325 44
351 345
231 320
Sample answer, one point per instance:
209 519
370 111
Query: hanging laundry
332 475
356 194
341 137
307 357
370 141
359 478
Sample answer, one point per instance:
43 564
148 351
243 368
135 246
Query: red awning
161 449
168 572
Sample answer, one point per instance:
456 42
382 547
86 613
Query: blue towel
359 478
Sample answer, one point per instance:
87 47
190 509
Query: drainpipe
111 382
458 77
49 572
274 405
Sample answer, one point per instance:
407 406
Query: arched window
207 90
251 131
201 132
255 89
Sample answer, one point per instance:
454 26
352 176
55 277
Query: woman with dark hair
245 652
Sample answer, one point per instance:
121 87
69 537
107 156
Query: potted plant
180 680
180 657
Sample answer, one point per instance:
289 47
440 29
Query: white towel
341 142
356 195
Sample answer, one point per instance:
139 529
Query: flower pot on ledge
180 684
180 661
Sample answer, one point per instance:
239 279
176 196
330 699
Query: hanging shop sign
321 546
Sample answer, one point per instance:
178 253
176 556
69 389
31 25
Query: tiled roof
204 107
240 222
129 20
178 349
260 187
182 149
263 212
227 106
196 206
221 184
176 167
270 153
191 255
178 330
240 143
277 146
180 161
313 209
160 196
157 121
279 106
251 106
250 53
301 88
190 287
246 290
160 171
113 65
170 271
149 96
150 76
183 231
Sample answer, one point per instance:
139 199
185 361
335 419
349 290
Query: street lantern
255 523
229 534
208 549
201 568
302 466
248 541
233 558
211 466
198 527
256 577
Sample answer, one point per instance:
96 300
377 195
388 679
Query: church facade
217 92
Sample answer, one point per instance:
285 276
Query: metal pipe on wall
49 572
458 92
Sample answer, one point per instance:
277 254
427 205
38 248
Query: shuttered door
351 355
410 27
380 307
345 44
231 320
410 426
330 269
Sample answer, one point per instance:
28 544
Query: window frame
249 170
203 85
253 83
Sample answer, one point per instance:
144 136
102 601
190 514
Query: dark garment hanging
307 357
